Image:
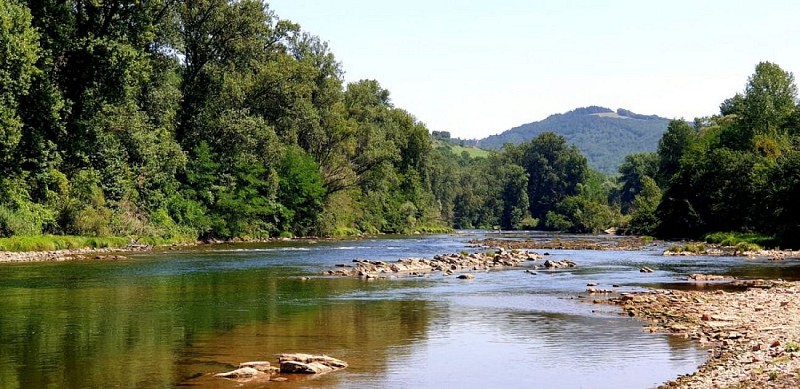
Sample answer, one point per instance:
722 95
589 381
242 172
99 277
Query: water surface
174 318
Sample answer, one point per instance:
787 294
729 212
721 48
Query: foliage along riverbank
219 120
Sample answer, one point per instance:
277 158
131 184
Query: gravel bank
753 336
67 255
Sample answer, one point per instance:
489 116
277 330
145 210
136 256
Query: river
173 318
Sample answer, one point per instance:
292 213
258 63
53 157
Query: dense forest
177 120
736 171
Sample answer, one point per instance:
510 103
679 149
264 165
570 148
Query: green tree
770 98
633 172
301 191
643 208
20 51
554 171
671 148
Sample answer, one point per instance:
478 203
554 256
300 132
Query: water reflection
161 320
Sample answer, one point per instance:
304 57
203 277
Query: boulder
309 364
466 276
548 264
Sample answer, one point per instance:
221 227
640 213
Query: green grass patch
744 246
734 239
59 242
69 242
791 347
472 151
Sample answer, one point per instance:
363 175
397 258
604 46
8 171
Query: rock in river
309 364
289 364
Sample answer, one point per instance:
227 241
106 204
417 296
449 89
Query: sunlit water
175 318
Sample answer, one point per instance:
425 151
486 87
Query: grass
59 242
736 238
69 242
791 347
472 151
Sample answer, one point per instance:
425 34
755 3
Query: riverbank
752 336
44 248
105 253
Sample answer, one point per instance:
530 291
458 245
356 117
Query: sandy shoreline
753 336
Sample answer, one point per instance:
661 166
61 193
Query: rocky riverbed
601 243
753 336
447 264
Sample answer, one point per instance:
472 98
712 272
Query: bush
734 239
744 247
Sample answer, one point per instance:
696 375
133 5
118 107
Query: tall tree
20 51
554 169
770 98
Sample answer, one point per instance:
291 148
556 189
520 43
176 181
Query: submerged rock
243 372
259 365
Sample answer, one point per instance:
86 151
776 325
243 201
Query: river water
174 318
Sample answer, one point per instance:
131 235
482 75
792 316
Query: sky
477 68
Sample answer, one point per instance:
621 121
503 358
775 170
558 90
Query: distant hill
603 135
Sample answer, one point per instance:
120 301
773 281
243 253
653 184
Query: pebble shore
753 336
70 255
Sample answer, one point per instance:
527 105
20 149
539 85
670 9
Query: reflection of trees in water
365 333
788 270
151 331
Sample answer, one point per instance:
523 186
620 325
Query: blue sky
477 68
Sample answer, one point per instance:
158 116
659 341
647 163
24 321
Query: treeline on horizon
216 119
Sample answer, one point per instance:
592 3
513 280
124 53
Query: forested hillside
604 136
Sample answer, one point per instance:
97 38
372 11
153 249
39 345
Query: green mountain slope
603 135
